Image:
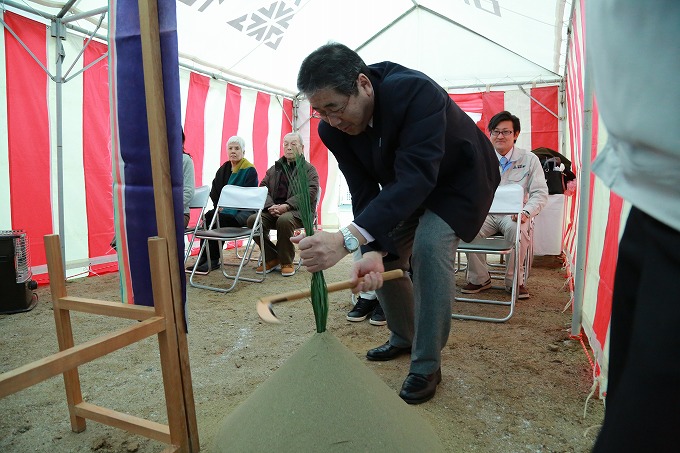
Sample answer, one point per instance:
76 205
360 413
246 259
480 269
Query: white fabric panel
245 120
274 137
5 210
625 210
456 41
184 78
433 45
75 210
547 236
527 27
269 58
519 104
213 120
330 211
303 112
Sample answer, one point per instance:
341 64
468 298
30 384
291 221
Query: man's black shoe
203 267
362 309
418 388
378 317
386 352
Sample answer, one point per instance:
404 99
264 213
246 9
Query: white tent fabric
468 45
459 44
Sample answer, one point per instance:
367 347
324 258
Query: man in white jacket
517 166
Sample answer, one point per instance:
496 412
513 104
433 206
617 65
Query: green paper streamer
300 184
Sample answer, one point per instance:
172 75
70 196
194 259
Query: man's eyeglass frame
337 113
505 133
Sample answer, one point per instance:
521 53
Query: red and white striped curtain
607 212
28 155
537 109
212 111
215 110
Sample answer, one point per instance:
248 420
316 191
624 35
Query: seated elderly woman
237 171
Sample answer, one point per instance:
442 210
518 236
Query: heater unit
16 285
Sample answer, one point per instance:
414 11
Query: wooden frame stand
181 433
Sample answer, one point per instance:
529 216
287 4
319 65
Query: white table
548 226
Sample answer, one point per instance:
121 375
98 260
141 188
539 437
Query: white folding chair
508 200
234 198
199 201
497 270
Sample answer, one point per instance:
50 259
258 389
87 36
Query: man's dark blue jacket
422 151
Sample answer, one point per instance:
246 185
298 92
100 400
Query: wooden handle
337 286
264 305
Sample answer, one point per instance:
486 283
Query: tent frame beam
416 6
509 83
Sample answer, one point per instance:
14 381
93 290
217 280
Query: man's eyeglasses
504 133
336 113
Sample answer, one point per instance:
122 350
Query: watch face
351 243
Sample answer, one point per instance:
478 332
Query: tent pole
584 198
59 58
102 10
562 114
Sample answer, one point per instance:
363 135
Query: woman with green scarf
237 171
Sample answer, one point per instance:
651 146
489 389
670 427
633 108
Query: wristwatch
351 242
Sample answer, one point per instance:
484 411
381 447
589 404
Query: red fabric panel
578 75
494 102
610 253
595 128
194 123
286 121
469 102
575 104
318 156
28 133
610 248
97 155
260 132
544 127
232 110
194 128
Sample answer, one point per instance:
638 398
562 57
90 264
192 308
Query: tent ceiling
459 43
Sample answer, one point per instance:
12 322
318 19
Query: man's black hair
334 66
504 116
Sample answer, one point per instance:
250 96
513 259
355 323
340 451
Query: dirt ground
519 386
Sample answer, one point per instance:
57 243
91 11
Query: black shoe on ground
203 267
386 352
362 309
418 388
378 316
